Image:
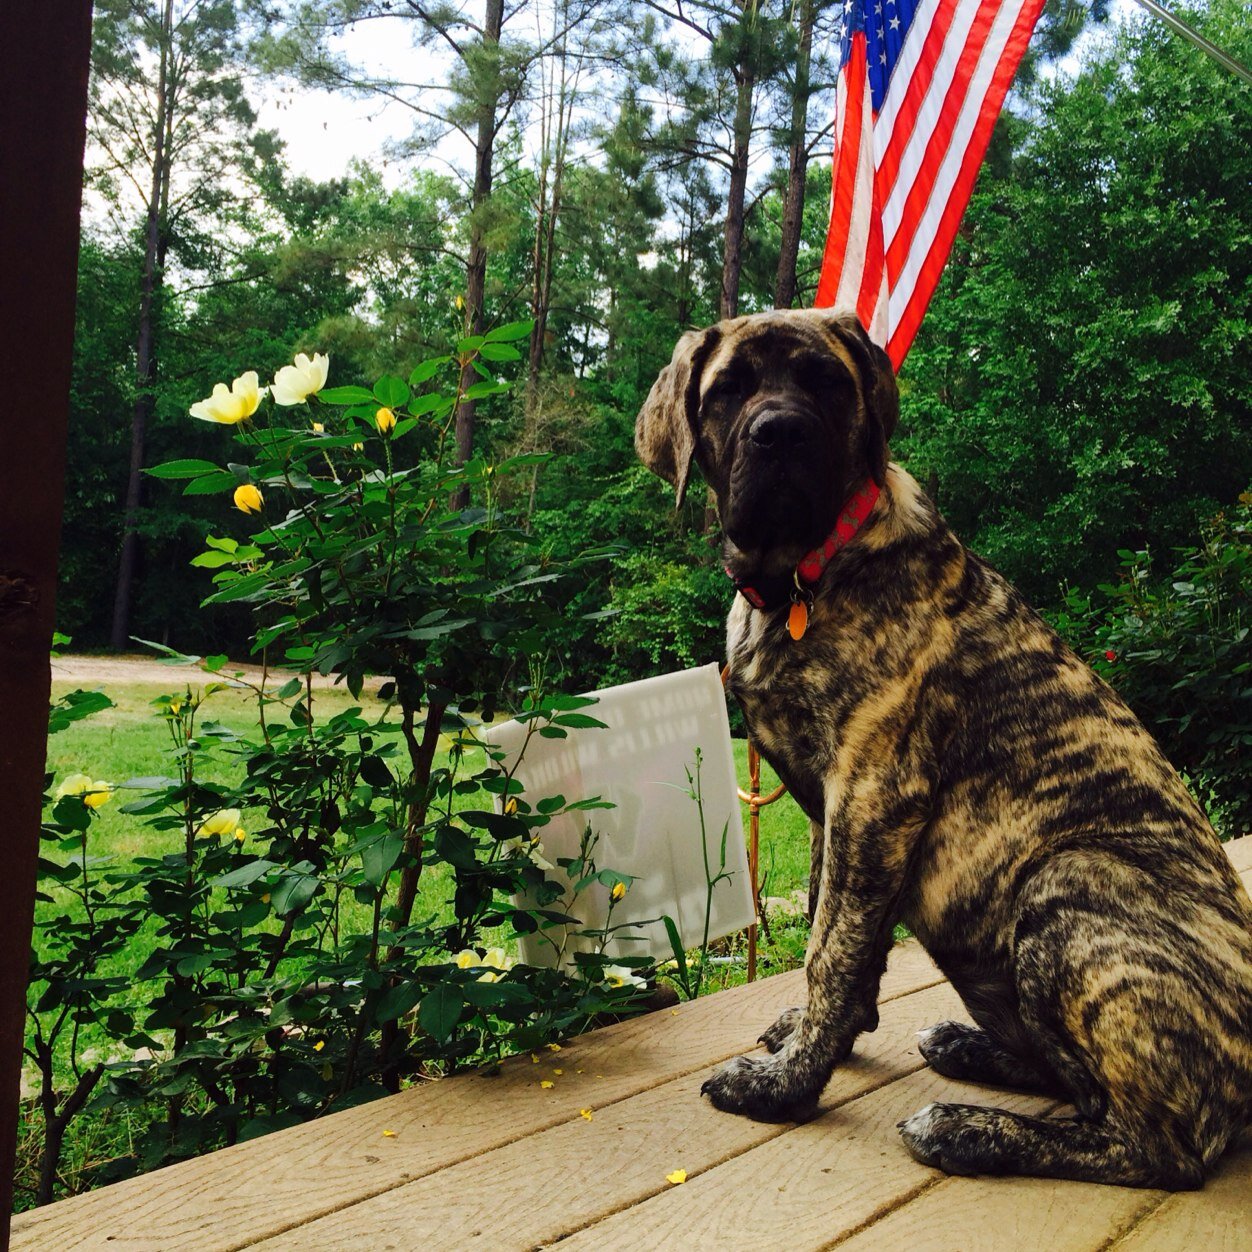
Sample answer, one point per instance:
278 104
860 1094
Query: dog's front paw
782 1030
761 1088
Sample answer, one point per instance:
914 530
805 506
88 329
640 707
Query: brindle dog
964 774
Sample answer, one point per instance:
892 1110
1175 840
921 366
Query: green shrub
338 920
1178 649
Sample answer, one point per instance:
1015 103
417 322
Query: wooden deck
500 1162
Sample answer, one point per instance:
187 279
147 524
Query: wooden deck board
542 1188
497 1162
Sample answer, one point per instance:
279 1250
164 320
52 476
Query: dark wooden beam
43 109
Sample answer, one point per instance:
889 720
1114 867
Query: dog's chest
789 693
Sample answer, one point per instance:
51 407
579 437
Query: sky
325 131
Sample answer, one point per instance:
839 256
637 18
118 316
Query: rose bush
343 917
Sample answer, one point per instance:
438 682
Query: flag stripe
910 317
919 60
850 92
921 83
932 139
941 177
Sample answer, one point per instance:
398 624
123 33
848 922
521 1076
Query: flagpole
1224 59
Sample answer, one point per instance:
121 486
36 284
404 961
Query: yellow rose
293 384
230 407
385 420
92 794
223 822
618 892
248 499
319 428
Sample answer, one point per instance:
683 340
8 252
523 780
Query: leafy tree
167 122
1078 385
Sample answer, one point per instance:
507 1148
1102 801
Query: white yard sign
640 765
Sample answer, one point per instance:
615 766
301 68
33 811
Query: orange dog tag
798 620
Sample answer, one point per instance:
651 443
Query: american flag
920 86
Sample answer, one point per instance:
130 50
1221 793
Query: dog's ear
665 435
878 387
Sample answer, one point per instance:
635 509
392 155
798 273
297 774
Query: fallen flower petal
679 1175
585 1113
389 1134
547 1084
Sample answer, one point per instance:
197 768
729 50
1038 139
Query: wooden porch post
43 108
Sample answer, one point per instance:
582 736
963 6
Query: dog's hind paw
782 1029
965 1052
929 1136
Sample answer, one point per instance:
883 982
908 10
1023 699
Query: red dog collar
851 518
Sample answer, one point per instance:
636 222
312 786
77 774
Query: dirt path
95 671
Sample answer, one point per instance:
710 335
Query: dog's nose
777 431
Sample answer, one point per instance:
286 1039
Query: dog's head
785 413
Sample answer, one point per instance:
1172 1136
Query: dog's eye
732 384
824 380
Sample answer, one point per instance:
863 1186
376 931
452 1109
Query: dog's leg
864 863
969 1139
789 1019
959 1051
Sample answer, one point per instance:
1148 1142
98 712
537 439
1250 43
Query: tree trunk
145 355
476 266
797 164
732 258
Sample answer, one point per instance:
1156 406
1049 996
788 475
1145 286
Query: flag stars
894 24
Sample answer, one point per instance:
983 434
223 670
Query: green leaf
74 706
441 1010
676 946
579 721
508 332
292 892
391 391
397 1002
427 370
246 875
499 352
189 468
214 559
379 856
490 995
345 395
214 484
480 391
